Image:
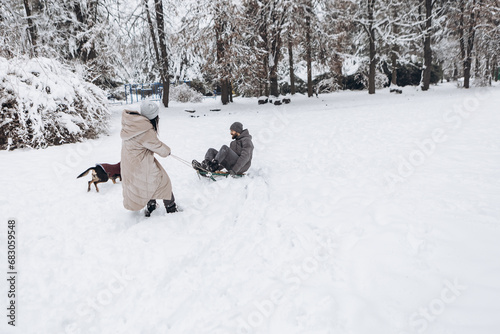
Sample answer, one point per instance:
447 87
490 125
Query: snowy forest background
249 47
257 46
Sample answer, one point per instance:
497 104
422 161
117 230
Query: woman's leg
170 204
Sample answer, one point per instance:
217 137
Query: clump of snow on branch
44 103
184 93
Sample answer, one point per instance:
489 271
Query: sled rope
187 163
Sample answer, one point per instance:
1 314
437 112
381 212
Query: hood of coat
133 124
244 134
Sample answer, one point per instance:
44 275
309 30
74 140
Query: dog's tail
85 173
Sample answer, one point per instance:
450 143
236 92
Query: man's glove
232 173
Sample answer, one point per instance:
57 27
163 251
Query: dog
102 173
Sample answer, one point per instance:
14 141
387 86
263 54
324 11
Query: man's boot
214 166
205 164
196 165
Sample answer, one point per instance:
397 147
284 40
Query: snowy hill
360 214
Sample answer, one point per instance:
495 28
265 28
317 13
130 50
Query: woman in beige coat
144 179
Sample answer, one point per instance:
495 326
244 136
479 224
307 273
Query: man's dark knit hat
237 126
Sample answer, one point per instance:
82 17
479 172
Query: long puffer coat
143 177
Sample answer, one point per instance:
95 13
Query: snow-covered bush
355 72
482 81
44 103
184 93
327 84
381 80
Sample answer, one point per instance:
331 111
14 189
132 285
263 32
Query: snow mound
44 103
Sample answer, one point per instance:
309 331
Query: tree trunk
230 92
495 69
426 78
441 71
467 42
152 31
273 68
266 84
277 19
273 81
31 28
394 74
309 49
487 71
371 75
92 21
468 60
163 50
264 45
290 64
220 26
224 91
395 50
477 67
467 65
463 48
371 33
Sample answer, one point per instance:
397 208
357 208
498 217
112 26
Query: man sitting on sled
236 158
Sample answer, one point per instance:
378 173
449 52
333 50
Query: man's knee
211 153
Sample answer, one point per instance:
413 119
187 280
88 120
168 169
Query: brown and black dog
102 173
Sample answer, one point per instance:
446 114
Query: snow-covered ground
360 214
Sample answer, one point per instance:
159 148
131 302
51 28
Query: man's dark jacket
243 146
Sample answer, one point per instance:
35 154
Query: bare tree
366 19
395 49
426 77
31 28
152 31
308 9
469 13
290 62
222 38
370 30
160 23
276 10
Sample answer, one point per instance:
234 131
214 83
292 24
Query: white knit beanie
149 109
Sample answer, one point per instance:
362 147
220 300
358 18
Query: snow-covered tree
467 16
487 44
